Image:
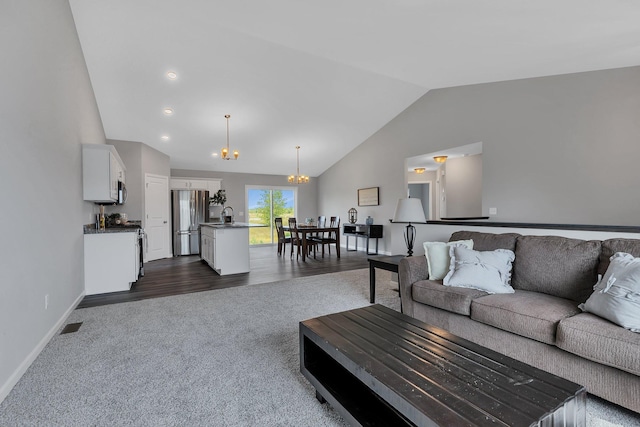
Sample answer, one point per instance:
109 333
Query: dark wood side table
389 263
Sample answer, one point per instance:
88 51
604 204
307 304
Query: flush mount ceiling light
167 111
172 75
225 151
419 170
164 137
440 159
297 178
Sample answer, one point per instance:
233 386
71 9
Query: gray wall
139 159
47 110
464 187
234 184
559 149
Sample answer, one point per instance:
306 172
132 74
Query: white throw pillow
616 296
437 254
488 271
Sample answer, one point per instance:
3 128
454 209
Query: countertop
129 228
231 225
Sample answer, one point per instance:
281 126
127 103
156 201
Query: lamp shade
409 210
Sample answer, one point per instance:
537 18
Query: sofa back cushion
554 265
487 241
611 246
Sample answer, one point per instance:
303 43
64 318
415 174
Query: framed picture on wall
368 196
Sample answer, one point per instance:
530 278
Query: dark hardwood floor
186 274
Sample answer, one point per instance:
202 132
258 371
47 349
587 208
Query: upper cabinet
211 185
102 168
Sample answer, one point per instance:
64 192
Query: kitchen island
225 246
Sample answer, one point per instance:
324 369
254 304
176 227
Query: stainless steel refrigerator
189 208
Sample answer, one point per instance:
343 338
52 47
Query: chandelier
297 178
225 150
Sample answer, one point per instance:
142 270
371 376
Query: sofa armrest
410 270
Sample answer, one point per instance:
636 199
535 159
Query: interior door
156 209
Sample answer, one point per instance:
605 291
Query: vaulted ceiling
321 75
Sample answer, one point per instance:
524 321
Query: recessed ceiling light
215 154
164 137
172 75
167 111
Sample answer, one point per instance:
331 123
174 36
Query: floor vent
71 327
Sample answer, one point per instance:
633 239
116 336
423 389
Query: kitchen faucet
224 213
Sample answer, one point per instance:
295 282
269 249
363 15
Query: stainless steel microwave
122 193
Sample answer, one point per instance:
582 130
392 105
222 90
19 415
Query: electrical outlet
241 214
493 211
46 301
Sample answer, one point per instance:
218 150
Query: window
264 204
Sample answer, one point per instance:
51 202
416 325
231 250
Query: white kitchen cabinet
207 237
212 185
225 248
111 262
102 168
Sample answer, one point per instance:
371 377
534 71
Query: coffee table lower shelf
378 367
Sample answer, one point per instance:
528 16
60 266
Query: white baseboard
19 372
363 249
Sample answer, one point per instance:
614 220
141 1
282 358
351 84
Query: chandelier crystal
297 178
225 151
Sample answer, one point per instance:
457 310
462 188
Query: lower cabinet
111 262
225 249
207 236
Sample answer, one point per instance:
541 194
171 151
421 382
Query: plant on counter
220 198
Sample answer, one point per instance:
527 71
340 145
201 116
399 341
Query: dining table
304 230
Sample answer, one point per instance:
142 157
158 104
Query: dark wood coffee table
378 367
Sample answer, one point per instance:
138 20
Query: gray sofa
540 324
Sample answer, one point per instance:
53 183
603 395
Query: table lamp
407 211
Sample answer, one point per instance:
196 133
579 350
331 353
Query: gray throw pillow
616 296
488 271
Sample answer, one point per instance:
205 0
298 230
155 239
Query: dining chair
282 237
314 239
330 237
295 237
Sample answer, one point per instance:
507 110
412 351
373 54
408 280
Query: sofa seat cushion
556 265
434 294
529 314
597 339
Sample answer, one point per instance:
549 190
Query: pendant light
225 150
297 178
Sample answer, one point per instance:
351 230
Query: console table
362 230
